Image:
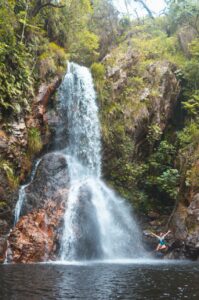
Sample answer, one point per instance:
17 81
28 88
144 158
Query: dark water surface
100 281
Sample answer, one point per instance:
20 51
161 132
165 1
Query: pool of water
110 280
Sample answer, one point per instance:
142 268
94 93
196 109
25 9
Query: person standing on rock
162 243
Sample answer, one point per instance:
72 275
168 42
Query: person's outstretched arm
166 233
154 235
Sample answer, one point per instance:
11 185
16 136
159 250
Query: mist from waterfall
97 223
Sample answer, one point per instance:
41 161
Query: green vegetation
34 141
36 40
149 170
144 158
13 180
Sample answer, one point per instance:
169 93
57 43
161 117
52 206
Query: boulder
3 248
46 90
51 181
178 223
185 224
36 237
87 244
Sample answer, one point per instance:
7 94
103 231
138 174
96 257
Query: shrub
154 133
98 71
52 61
168 182
192 105
189 135
13 180
34 141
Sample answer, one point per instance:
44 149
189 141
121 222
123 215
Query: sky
156 6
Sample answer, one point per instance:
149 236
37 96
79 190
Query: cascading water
97 223
22 194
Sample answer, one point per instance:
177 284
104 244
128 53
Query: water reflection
99 281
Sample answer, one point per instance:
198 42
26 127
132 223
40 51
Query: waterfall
77 99
97 223
22 194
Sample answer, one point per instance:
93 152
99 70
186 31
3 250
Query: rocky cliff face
137 97
36 237
137 104
185 227
152 95
51 182
16 155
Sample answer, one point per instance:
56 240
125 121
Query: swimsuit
162 242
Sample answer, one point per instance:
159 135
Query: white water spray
97 223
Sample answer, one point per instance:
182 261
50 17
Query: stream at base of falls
99 281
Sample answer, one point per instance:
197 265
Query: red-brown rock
36 236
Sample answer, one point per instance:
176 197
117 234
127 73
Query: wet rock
36 236
178 223
44 95
87 235
6 206
3 226
51 118
149 242
176 250
46 90
51 182
185 224
3 248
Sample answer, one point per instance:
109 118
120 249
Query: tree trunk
127 8
40 5
146 8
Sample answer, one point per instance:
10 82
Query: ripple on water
96 280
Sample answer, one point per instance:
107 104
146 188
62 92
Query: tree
39 5
105 23
182 12
144 5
